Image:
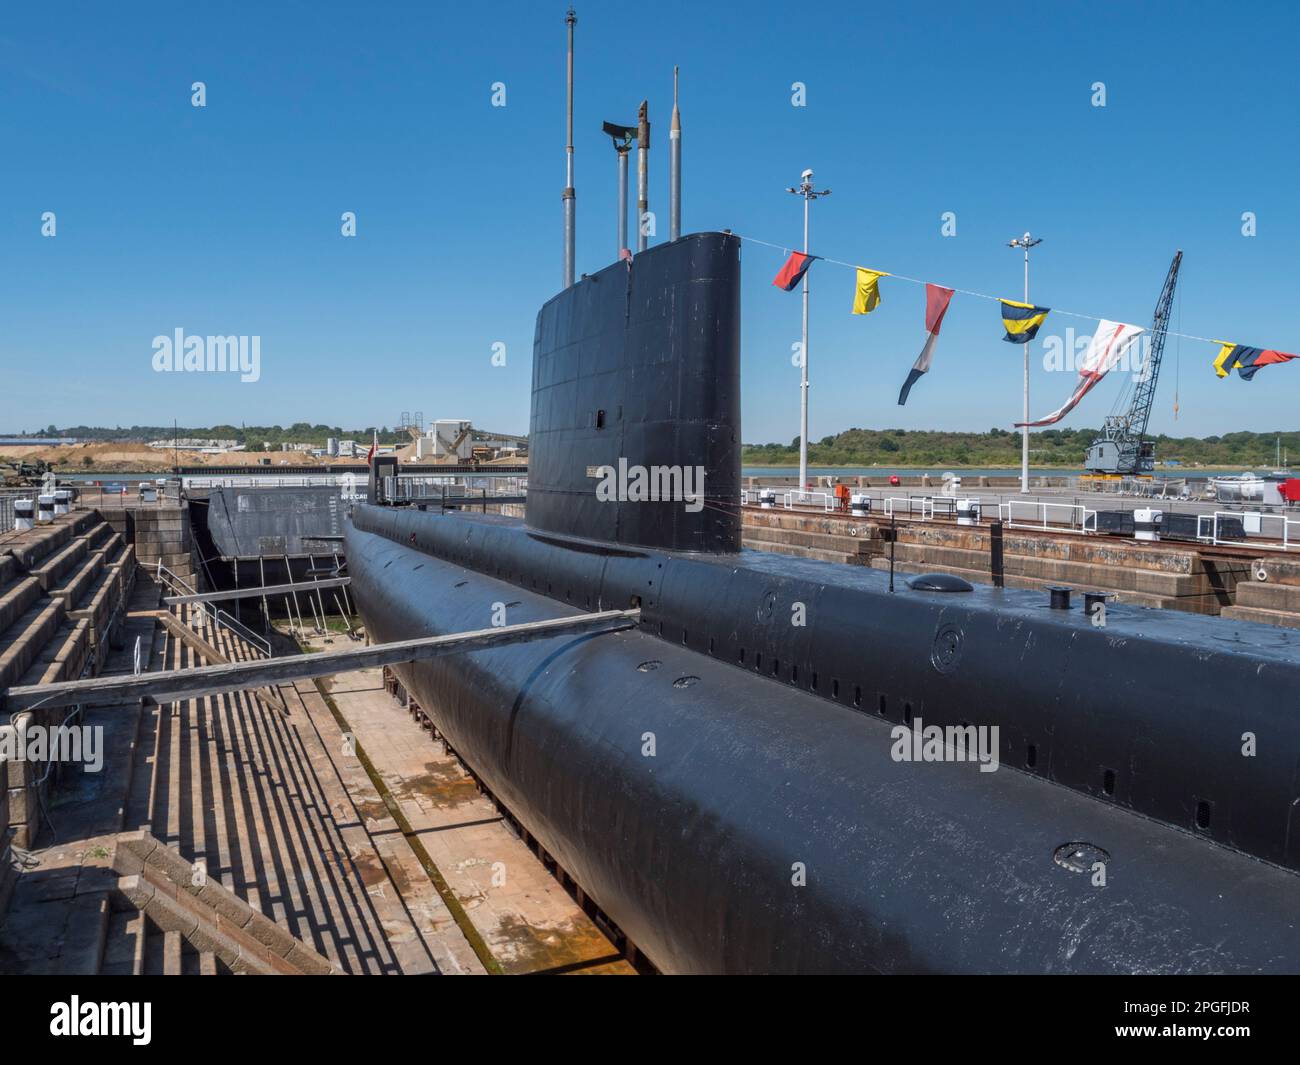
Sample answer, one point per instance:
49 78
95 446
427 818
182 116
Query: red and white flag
1110 343
937 299
374 445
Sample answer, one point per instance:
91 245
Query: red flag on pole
373 446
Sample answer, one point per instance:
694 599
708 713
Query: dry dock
308 828
326 826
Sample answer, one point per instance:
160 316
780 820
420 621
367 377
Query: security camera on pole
1025 242
805 190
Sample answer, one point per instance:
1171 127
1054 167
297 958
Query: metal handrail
1290 541
927 506
179 586
241 630
1078 518
174 581
808 498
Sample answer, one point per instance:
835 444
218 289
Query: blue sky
226 219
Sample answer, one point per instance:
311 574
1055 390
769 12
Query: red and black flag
1246 361
793 270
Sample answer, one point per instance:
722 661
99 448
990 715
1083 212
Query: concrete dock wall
1271 593
159 532
63 588
1171 577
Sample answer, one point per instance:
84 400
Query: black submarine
725 779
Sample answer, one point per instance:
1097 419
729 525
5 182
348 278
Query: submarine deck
1232 635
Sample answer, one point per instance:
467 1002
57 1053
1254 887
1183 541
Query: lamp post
1026 242
805 190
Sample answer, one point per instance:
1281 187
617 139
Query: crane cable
1178 353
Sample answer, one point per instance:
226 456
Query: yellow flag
867 298
1223 361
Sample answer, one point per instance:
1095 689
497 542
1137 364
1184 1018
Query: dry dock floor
336 816
510 906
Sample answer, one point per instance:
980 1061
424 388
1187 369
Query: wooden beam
168 686
257 591
266 696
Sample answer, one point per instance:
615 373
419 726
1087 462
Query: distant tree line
1001 447
853 447
251 436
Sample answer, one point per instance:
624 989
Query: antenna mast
675 169
569 196
642 174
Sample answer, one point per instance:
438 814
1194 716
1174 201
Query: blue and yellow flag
1022 320
1245 360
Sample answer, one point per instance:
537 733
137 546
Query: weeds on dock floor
335 624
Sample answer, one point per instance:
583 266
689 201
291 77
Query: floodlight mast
805 190
1026 242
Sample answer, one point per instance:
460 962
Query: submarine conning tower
637 368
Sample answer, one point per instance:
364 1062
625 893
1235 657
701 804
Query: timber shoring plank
170 686
257 591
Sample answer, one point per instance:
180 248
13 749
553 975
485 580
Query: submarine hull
731 824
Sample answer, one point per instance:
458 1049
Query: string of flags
1021 321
